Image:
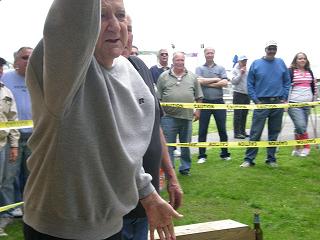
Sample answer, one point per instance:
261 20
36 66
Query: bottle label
256 218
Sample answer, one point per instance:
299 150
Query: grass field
287 197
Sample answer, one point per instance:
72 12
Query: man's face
21 61
163 57
134 51
271 51
243 63
178 61
113 35
209 54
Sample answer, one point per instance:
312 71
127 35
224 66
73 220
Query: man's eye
121 17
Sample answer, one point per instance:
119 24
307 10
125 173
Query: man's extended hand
175 192
160 214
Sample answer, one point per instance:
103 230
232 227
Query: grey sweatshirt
88 141
239 81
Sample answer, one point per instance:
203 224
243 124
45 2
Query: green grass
14 230
288 197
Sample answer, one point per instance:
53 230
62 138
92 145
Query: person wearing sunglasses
156 71
268 82
15 81
162 65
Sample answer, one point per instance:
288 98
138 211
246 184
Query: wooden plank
217 230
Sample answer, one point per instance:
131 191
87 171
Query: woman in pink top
303 89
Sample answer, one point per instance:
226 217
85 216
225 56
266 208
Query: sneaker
239 136
17 213
202 160
176 153
226 158
3 233
185 173
246 164
296 152
272 164
304 152
4 221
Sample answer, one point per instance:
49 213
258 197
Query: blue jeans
8 171
299 118
135 229
220 117
259 117
173 127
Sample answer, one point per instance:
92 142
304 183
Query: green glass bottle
257 229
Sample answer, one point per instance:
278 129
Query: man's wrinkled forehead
113 3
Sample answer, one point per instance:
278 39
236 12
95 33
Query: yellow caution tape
5 208
238 106
245 144
16 124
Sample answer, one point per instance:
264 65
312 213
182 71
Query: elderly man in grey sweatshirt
88 141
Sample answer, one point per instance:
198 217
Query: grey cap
242 57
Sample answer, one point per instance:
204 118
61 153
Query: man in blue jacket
268 83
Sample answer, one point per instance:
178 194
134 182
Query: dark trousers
240 115
220 117
259 118
31 234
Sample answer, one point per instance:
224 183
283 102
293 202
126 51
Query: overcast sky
230 26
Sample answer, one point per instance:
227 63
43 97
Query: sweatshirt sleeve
70 33
235 76
143 181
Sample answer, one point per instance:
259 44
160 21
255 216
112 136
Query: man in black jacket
135 224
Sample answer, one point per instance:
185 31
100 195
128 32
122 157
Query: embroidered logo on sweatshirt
141 100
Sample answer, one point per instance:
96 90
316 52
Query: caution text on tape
238 106
245 144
